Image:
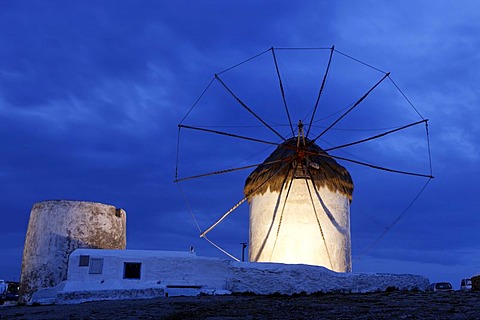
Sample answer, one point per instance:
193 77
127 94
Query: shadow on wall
55 229
43 271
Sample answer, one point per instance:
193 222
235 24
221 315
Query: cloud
91 93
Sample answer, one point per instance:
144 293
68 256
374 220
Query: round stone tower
55 229
300 208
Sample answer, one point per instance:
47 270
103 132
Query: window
131 270
84 261
96 266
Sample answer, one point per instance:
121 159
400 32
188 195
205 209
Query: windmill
299 196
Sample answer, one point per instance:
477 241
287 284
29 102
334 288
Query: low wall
180 273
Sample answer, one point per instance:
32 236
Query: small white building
97 274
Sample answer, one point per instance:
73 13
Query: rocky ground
384 305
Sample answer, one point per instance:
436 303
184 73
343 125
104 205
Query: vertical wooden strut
301 136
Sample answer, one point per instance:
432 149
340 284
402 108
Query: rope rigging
301 142
198 226
316 217
248 109
397 219
383 168
283 207
321 90
282 91
226 171
286 162
377 136
227 134
353 107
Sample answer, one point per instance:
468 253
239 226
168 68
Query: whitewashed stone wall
55 229
299 239
183 273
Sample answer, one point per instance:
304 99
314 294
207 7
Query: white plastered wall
299 239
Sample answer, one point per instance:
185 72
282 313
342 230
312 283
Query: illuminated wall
299 238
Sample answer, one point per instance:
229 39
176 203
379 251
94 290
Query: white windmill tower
300 207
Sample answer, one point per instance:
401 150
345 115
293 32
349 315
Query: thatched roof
322 169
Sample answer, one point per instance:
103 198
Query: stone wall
55 229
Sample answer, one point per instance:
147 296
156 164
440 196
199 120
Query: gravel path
385 305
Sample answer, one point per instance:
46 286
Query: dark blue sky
91 93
